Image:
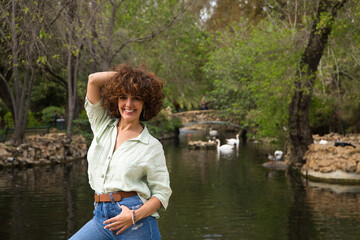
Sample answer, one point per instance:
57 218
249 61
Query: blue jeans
146 228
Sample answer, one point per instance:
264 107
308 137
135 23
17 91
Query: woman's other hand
121 222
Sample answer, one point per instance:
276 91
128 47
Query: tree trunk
300 133
72 66
23 106
17 95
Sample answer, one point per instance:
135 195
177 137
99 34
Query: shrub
31 120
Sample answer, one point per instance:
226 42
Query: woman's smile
130 107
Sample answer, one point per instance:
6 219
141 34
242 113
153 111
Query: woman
126 165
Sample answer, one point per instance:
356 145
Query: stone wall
198 116
326 161
42 150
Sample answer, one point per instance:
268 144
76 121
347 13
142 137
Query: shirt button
102 176
109 158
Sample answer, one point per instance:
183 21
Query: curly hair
136 82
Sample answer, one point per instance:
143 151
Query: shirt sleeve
158 177
97 115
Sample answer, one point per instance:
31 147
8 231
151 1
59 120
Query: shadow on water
300 213
226 197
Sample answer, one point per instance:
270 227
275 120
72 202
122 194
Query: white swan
233 141
271 157
226 148
277 155
213 133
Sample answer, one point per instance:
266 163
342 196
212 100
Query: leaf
42 34
42 59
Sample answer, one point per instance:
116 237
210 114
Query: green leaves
42 34
42 59
251 73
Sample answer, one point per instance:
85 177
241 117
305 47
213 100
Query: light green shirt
137 165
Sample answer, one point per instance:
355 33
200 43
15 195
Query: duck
233 141
226 148
343 144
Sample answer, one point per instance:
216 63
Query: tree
22 45
178 56
299 128
116 24
74 39
93 36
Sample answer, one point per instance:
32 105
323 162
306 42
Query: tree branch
153 35
56 77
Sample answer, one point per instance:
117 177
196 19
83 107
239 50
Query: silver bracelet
133 216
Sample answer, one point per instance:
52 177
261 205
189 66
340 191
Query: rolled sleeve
158 179
97 115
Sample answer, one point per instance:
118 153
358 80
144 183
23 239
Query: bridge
208 117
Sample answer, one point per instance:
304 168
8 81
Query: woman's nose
129 102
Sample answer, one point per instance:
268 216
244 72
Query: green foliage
9 122
163 124
177 57
246 69
81 126
3 109
252 74
168 104
47 94
338 75
30 123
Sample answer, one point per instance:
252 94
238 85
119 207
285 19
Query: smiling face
130 107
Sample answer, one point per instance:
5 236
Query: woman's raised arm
95 82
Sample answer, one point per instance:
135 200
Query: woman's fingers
121 221
121 230
114 219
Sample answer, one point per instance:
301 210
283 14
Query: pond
214 197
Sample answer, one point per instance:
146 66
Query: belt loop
112 198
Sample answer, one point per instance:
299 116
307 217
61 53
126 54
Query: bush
81 126
8 120
31 120
163 124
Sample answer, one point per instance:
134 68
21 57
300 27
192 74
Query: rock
330 162
357 167
3 152
47 149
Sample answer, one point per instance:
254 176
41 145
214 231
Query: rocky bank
329 162
43 150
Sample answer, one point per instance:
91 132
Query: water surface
214 197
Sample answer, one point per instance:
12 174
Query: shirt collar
143 137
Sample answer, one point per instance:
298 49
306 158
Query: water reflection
213 198
43 201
